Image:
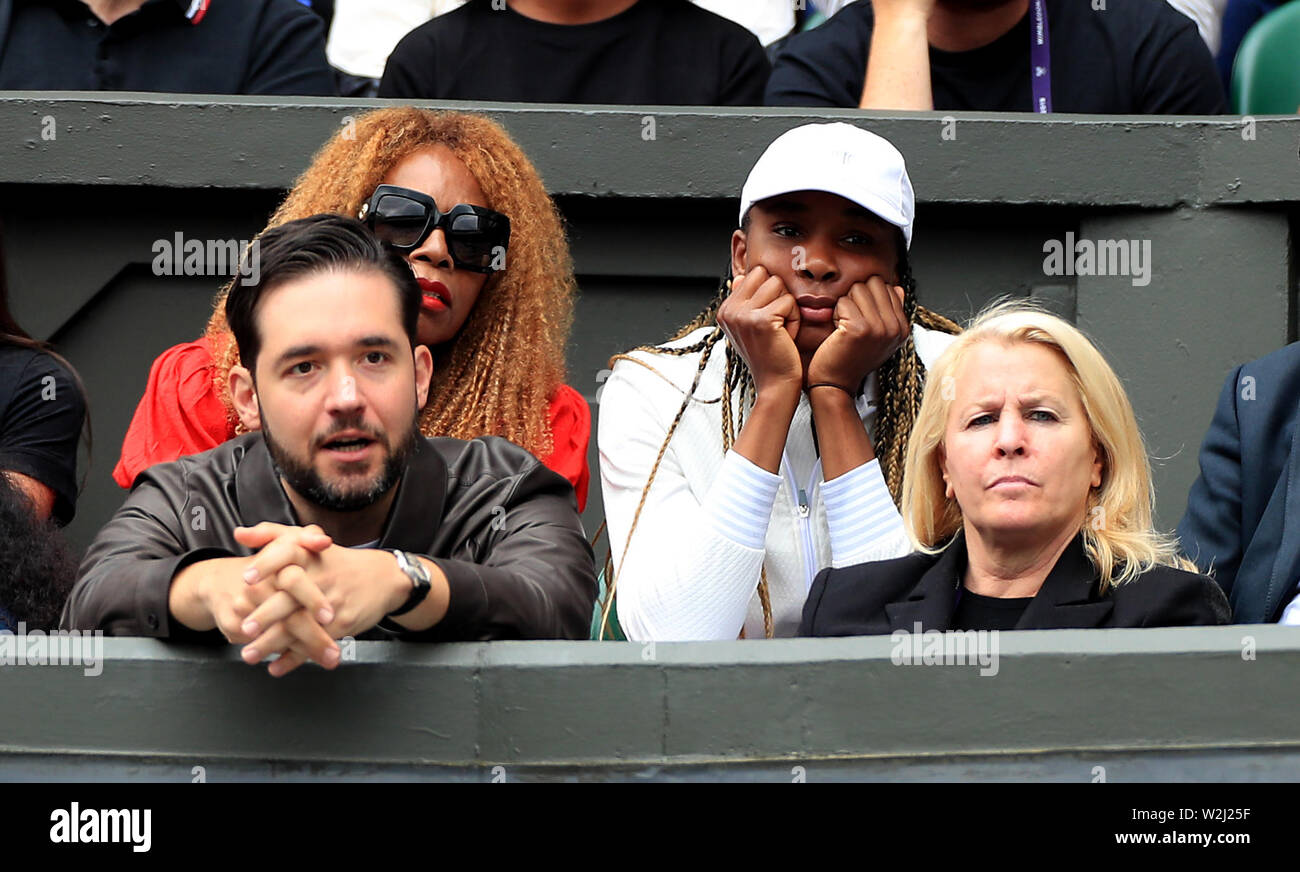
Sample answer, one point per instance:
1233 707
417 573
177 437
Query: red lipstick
435 296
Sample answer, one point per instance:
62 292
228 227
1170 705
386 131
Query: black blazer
888 595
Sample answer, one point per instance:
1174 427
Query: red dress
180 413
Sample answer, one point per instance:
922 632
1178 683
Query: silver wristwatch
421 583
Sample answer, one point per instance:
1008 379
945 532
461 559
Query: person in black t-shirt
41 416
1027 493
667 52
1128 57
42 412
177 46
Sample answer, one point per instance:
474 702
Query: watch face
421 583
418 568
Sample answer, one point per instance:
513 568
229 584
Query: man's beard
303 477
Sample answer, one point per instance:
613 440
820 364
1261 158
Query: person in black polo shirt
177 46
667 52
1086 56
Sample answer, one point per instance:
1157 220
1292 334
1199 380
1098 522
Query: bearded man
333 517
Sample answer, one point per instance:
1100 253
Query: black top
978 612
1135 57
233 47
41 415
890 595
668 52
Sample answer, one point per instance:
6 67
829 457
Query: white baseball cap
840 159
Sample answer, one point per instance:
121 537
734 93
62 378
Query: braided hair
900 380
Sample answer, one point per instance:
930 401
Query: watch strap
421 583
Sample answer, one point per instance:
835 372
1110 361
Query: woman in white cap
765 441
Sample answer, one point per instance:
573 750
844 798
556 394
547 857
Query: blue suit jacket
1243 512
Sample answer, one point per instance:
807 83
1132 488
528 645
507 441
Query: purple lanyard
1040 58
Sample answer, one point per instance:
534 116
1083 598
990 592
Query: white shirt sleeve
695 558
1208 16
864 522
1291 615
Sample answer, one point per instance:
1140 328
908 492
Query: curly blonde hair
497 375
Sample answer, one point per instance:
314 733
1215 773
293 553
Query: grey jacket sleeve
529 573
125 578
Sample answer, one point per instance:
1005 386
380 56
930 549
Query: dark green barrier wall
1070 705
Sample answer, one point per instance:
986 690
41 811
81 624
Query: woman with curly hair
765 441
498 294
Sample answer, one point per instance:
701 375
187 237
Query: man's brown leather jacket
501 526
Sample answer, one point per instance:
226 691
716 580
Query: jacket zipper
804 514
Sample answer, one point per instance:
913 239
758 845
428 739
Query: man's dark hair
319 243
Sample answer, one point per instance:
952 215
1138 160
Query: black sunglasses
477 237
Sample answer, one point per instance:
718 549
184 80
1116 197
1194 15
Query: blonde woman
1027 492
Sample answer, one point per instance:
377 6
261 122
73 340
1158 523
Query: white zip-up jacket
712 521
